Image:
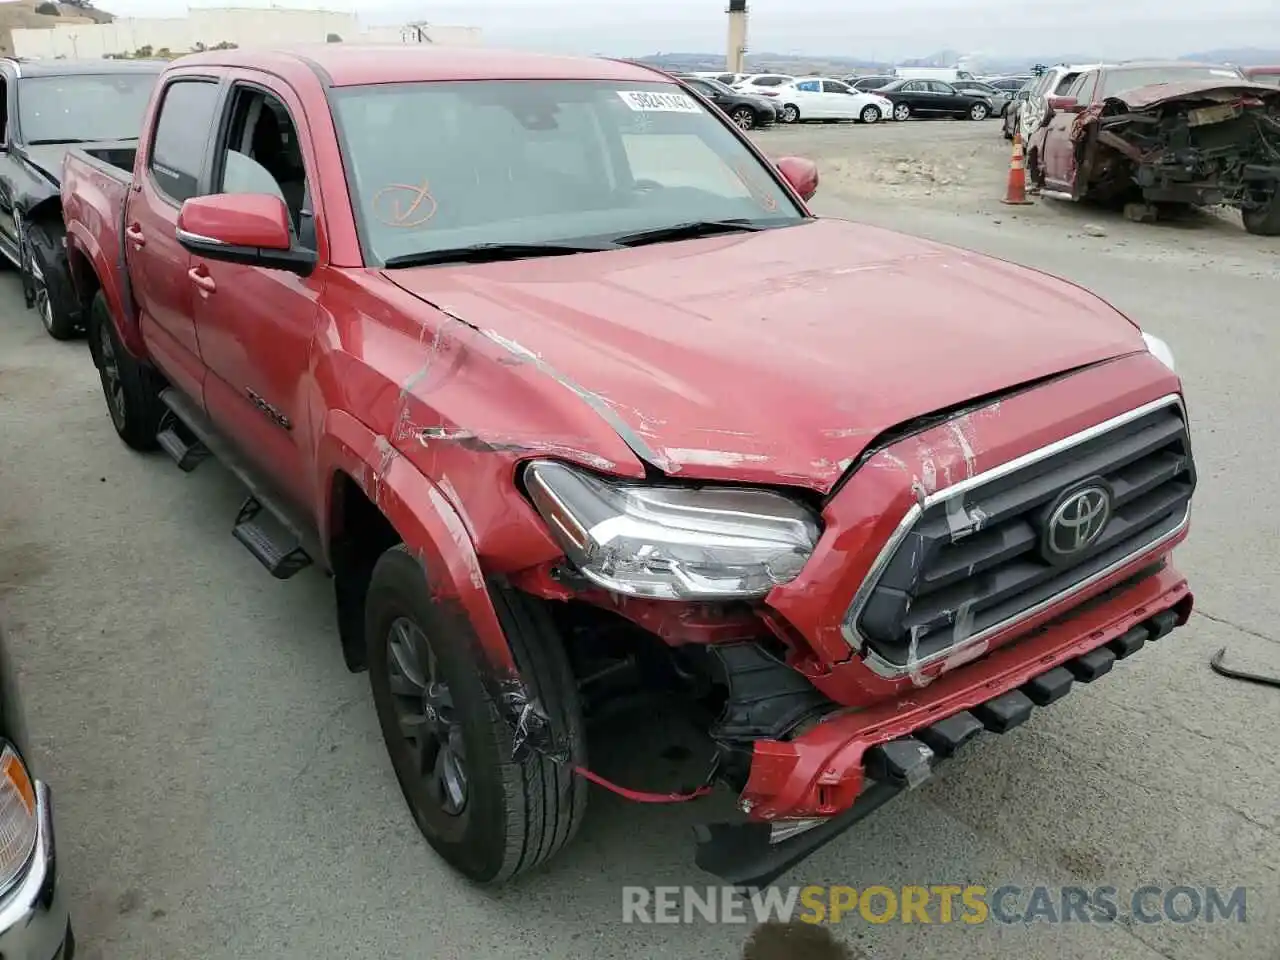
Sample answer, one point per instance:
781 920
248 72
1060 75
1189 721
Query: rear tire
56 301
515 813
790 113
131 388
1264 222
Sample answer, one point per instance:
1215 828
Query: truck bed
95 186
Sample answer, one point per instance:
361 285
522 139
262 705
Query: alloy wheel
744 118
870 114
424 710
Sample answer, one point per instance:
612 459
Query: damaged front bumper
804 792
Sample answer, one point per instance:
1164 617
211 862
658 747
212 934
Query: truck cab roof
349 64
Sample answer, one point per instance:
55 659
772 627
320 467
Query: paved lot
222 788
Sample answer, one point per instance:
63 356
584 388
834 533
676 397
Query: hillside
22 14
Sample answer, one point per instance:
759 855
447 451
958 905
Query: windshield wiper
688 231
43 143
493 252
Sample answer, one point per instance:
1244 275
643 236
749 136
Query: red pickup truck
558 378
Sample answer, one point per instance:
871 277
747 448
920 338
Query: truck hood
777 356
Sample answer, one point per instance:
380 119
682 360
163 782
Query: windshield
441 166
1117 81
83 107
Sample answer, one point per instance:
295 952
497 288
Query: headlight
1160 350
673 543
18 817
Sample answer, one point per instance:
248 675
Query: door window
831 86
261 154
1065 84
937 86
808 86
915 86
182 137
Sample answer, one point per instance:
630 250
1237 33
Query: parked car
945 74
997 100
1155 133
34 921
744 109
822 98
728 79
762 83
867 84
1055 81
1010 84
933 98
1009 122
49 105
494 376
1268 75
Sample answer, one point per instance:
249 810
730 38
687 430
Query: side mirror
1064 105
802 174
251 229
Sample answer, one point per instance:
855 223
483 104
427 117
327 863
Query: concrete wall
245 27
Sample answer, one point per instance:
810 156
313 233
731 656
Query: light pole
736 54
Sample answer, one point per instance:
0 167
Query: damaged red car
577 402
1153 134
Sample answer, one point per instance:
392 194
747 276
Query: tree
333 38
49 10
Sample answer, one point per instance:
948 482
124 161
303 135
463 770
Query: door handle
133 233
202 279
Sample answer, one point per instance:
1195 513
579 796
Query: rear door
807 95
1061 155
256 325
175 170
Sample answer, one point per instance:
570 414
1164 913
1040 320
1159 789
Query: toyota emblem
1077 522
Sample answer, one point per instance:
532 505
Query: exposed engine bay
1217 145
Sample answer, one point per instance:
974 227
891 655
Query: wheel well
359 534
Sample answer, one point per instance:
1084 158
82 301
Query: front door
174 173
256 325
839 99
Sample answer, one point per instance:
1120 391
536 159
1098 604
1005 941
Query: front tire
902 111
56 302
744 118
130 388
489 814
1265 221
870 114
790 113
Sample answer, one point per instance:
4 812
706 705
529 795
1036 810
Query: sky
875 29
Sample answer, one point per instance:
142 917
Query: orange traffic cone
1016 193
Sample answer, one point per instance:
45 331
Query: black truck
46 107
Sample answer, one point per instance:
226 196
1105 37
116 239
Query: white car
823 98
762 83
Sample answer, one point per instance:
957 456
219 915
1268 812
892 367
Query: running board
183 447
267 525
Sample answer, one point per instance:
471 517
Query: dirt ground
960 168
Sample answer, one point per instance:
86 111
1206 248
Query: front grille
976 560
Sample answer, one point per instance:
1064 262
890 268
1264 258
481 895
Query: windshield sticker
643 101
